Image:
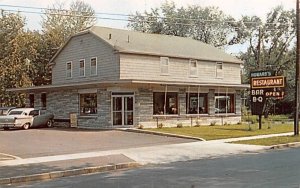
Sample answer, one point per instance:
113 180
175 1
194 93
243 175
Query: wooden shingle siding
142 67
85 47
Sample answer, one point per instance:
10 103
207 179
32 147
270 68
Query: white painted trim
71 70
96 72
196 75
84 67
164 66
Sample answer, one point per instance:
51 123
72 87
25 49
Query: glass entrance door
122 110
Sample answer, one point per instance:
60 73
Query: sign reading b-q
265 85
267 82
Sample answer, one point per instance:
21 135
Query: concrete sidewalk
40 168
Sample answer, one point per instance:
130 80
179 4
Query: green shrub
213 123
179 125
160 125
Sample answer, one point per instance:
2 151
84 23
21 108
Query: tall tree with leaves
209 24
16 46
58 24
271 46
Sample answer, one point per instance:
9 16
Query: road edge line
67 173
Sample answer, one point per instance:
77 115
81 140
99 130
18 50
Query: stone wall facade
63 103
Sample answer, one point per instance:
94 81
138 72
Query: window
196 104
69 70
94 66
224 103
82 68
34 113
165 103
43 100
31 100
219 70
164 65
193 68
88 103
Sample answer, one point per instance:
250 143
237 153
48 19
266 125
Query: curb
67 173
288 145
162 134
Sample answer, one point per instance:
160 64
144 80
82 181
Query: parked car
5 110
26 118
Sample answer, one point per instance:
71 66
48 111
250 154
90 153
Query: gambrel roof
125 41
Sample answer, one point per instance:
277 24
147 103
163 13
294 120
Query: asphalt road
59 141
273 169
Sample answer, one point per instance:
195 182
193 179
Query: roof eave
129 81
173 56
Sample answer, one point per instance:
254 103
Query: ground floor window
31 100
44 100
88 103
224 103
196 103
165 103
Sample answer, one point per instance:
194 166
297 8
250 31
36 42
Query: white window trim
83 67
161 66
96 71
190 68
71 70
220 75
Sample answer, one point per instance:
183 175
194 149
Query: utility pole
260 67
296 118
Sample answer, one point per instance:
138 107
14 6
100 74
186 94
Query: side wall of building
142 67
84 47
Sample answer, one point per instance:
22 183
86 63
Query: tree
271 47
58 25
209 25
15 47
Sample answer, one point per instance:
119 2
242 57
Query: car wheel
6 128
49 123
26 126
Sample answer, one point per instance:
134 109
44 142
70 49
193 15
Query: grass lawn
271 141
226 131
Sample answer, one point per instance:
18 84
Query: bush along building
108 78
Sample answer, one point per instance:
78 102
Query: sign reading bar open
265 85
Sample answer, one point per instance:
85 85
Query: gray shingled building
105 77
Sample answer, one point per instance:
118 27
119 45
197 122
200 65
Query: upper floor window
82 68
219 70
94 66
193 68
164 65
69 69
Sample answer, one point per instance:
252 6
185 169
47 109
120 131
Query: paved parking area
58 141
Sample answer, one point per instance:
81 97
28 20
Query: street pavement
129 157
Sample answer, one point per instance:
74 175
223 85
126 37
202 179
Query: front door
122 110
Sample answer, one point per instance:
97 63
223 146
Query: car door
37 119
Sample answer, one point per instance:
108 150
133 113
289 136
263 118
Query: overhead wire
129 17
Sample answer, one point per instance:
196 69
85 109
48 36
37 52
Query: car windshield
15 112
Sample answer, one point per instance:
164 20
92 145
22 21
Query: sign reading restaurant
267 82
264 85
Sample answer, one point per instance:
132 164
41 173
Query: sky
235 8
